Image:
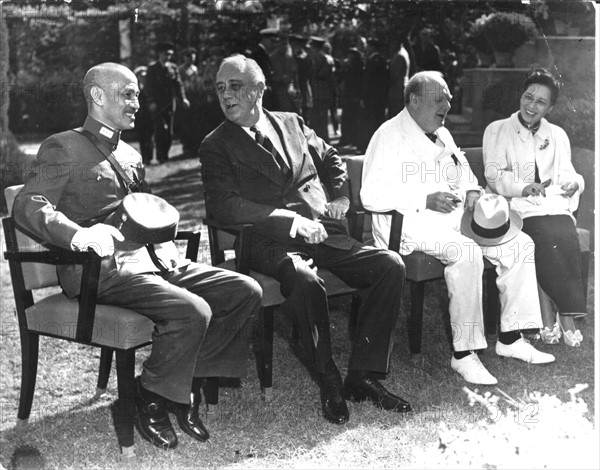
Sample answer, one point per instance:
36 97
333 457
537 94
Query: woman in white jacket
528 161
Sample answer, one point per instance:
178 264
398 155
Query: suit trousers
203 324
163 133
514 261
377 274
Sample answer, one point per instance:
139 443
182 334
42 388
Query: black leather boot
332 399
152 419
189 419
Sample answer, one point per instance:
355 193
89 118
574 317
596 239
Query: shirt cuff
294 228
76 241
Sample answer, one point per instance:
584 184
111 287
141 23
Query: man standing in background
164 89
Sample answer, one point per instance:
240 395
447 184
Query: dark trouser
350 122
379 276
144 134
374 116
319 118
557 260
163 134
202 324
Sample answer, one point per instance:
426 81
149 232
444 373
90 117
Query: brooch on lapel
544 144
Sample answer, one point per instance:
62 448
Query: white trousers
517 285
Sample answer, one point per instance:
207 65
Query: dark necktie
266 143
431 136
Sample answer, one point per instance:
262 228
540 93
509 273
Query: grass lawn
71 431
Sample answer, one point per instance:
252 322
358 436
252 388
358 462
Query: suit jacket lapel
291 147
248 153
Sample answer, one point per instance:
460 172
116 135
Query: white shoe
472 370
522 349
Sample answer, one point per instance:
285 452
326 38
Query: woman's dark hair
543 77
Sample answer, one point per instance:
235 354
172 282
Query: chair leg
415 322
585 271
492 318
266 353
124 412
29 363
106 355
211 392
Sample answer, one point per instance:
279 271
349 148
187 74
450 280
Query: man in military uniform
164 89
187 119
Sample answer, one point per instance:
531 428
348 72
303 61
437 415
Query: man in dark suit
323 84
304 64
164 89
270 170
201 314
269 38
375 90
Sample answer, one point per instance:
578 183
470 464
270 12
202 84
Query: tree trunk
3 77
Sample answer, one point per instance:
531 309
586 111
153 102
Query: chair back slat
354 167
35 275
474 156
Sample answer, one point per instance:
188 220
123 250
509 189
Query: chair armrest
395 229
356 223
193 243
240 231
54 255
229 228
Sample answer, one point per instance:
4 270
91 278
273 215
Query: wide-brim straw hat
492 222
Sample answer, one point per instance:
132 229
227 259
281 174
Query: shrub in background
577 117
50 59
504 32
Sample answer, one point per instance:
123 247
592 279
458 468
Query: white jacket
510 152
402 167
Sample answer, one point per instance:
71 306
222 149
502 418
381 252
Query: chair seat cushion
114 327
423 267
271 288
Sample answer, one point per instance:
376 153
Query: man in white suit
412 165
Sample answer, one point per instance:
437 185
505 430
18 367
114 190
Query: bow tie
431 136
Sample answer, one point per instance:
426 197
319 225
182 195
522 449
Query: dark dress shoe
365 387
332 402
152 419
189 419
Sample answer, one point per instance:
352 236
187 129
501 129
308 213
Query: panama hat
145 218
491 222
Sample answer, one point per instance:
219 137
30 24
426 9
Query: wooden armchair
81 320
221 240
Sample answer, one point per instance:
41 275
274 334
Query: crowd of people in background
343 94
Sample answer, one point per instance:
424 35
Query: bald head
106 76
422 83
427 99
111 91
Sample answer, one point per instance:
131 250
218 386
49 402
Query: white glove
99 237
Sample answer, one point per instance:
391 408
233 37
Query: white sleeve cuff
78 240
294 228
